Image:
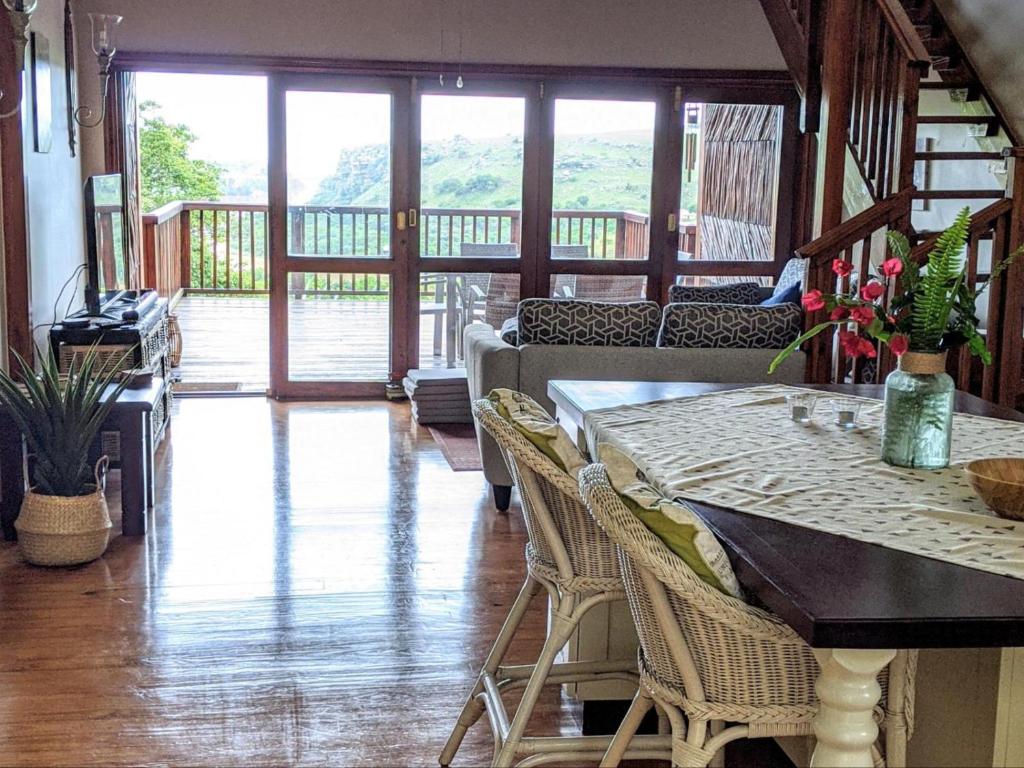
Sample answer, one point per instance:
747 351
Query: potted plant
64 518
931 311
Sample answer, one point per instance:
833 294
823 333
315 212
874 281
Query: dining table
854 602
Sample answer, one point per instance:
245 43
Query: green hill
605 171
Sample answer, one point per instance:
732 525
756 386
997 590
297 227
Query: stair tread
965 119
958 156
949 85
959 194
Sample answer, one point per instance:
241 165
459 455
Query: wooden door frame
282 263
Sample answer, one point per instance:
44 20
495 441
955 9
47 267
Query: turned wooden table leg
848 691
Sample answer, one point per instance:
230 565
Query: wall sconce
20 12
103 27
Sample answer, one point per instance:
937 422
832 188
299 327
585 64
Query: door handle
413 217
400 221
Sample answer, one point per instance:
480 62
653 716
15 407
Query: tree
167 171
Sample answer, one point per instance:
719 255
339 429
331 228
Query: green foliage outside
168 173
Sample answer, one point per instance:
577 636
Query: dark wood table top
834 591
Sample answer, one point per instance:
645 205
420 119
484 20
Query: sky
227 113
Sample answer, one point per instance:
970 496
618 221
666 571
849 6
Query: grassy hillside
608 171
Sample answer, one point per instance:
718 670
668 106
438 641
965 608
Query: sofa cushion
792 275
733 293
530 420
588 323
676 525
510 331
733 326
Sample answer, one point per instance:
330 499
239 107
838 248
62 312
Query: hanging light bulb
458 83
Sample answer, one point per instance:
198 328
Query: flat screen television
105 241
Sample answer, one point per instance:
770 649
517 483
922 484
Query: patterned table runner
739 449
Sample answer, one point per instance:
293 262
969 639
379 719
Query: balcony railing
222 248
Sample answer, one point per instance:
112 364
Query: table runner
739 449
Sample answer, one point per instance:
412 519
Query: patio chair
571 559
609 288
564 286
707 659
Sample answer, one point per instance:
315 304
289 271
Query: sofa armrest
490 363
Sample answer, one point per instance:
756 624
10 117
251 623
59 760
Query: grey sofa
580 349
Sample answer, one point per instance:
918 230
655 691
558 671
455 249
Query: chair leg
561 630
473 707
502 497
642 703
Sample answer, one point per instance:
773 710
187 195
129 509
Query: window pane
601 191
338 327
339 174
729 182
471 175
451 301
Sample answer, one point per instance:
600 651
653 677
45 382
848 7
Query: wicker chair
711 659
569 556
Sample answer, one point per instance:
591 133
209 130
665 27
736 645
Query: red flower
841 267
899 344
862 315
839 313
872 291
866 347
892 267
813 301
849 343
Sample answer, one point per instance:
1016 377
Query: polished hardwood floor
317 588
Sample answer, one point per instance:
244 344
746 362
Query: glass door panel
601 179
471 175
339 326
339 174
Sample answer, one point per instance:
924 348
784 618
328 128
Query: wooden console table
131 417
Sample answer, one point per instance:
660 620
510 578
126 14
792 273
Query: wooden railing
222 248
888 65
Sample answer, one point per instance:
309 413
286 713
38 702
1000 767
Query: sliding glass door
403 210
339 233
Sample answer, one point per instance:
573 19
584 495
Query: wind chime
458 80
690 130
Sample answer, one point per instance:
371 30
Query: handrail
855 229
906 35
981 222
163 213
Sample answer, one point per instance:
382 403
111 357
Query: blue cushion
789 296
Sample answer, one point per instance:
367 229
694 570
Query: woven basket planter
64 530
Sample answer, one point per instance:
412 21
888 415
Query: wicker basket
64 530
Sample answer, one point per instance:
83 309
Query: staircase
905 117
955 109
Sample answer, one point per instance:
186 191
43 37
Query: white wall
53 186
990 32
699 34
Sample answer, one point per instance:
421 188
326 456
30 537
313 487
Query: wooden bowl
1000 484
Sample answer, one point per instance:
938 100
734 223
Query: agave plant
60 417
933 309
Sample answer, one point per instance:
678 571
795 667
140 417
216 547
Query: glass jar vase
918 425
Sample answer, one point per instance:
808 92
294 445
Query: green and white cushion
676 525
529 418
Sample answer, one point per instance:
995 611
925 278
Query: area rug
458 444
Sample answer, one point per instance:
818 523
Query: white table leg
848 691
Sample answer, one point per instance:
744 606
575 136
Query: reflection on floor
317 588
226 342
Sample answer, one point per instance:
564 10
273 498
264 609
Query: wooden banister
902 29
855 229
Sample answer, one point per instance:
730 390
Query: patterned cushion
510 331
733 326
792 274
676 525
733 293
529 419
588 323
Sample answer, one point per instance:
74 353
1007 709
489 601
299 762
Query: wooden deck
226 344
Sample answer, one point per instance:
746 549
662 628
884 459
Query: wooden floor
317 588
226 344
